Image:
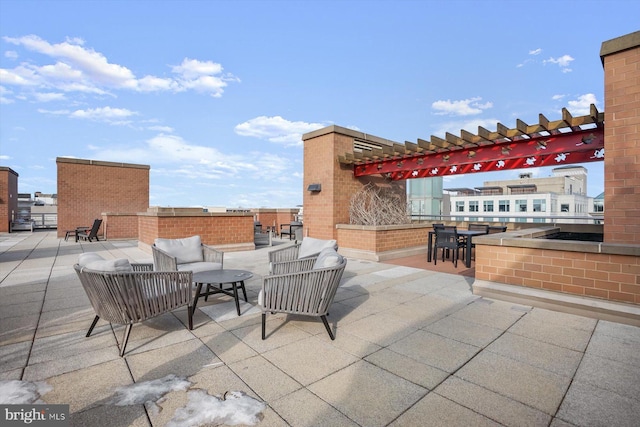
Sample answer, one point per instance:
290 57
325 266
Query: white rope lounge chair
298 257
188 254
308 292
125 294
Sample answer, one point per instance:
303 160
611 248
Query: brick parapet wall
608 276
383 238
233 231
89 188
621 60
120 225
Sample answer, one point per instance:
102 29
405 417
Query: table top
221 276
471 232
465 232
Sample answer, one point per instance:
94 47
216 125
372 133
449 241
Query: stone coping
567 303
160 211
533 238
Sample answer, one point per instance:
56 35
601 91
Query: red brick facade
607 276
228 231
324 209
621 60
8 197
89 188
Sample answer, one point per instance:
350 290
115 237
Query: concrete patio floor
413 347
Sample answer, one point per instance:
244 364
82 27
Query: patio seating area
412 346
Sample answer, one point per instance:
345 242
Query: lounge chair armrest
163 261
294 266
288 253
212 255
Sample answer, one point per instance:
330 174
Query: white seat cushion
197 267
120 265
328 258
87 257
185 250
310 246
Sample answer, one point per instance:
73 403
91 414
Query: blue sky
215 95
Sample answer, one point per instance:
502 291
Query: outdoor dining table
468 235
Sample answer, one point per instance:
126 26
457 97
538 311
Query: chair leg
264 321
326 325
127 331
93 325
190 315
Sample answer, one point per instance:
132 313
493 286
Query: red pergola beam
559 149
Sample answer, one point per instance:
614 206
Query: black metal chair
86 233
290 229
493 229
448 240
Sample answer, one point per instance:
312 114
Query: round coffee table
215 281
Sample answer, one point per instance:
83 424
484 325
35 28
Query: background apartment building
561 197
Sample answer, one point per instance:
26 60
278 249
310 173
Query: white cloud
535 52
563 62
558 97
81 69
11 54
582 105
164 129
102 114
50 96
464 107
276 129
4 157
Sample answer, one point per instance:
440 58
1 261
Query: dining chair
448 240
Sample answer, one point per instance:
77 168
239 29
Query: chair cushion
311 246
261 298
328 258
87 257
185 250
197 267
120 265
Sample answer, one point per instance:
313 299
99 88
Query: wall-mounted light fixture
314 188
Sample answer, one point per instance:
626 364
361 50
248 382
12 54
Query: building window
539 205
564 207
521 205
473 206
459 206
503 206
598 206
488 205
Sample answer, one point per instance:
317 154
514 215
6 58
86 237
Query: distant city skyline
215 96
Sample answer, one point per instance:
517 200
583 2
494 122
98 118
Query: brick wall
607 276
323 210
621 60
231 231
8 197
120 225
88 188
384 238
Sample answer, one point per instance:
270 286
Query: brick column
621 61
330 206
8 197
